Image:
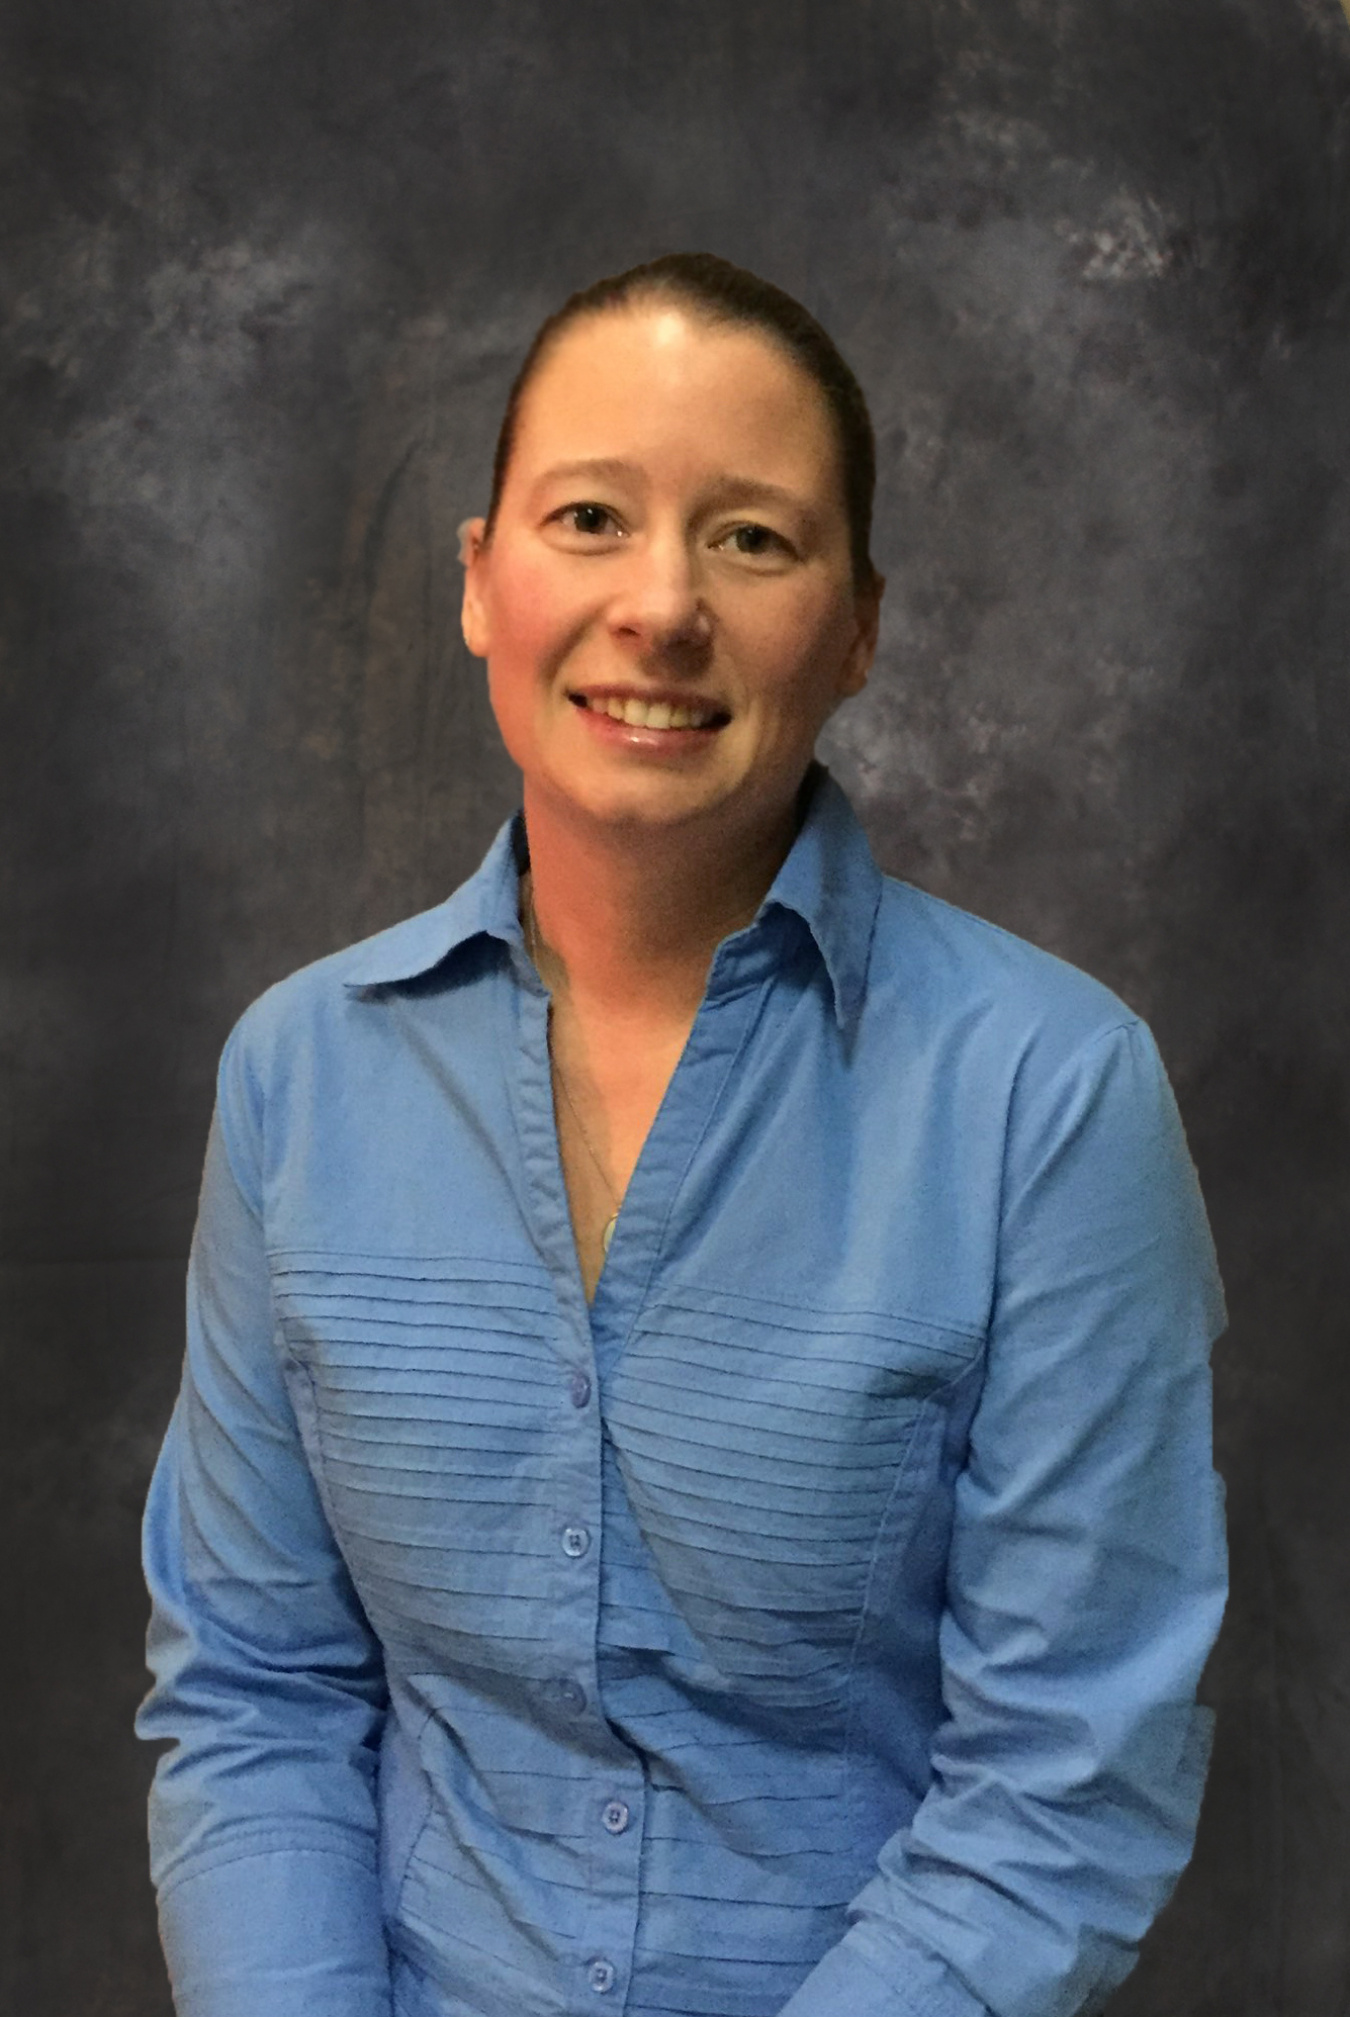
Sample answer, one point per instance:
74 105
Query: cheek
534 623
515 648
800 649
533 618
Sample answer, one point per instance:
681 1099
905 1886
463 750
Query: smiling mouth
650 713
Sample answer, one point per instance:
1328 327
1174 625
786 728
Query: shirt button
600 1975
575 1542
615 1816
571 1696
580 1389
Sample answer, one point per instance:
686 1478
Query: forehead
660 384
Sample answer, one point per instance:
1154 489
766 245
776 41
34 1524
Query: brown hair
722 293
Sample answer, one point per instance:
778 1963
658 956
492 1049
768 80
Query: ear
473 613
858 660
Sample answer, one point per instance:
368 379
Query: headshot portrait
676 1042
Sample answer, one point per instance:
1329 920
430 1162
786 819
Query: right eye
587 518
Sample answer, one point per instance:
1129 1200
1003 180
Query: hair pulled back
719 293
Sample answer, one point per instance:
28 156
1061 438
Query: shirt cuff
867 1975
290 1931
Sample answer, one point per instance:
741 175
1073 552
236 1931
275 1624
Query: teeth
651 714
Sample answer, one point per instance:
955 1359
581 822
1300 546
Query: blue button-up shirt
815 1619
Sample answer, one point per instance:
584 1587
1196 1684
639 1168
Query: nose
658 602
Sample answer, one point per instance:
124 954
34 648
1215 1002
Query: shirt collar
487 903
829 880
832 883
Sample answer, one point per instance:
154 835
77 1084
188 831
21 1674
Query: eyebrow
599 465
745 489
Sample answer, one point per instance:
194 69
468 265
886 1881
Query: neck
626 928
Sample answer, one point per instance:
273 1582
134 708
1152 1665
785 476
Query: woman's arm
269 1683
1085 1586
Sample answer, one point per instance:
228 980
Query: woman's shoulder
397 951
320 995
329 1017
947 962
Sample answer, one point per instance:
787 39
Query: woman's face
671 545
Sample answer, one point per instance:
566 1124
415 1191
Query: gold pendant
608 1233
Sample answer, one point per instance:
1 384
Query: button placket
572 1699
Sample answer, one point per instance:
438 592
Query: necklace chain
607 1230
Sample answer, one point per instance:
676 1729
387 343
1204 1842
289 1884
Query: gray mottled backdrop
268 265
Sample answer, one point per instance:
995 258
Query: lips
652 711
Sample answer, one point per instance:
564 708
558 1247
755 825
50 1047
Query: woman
691 1490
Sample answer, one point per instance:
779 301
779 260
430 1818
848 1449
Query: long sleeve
268 1681
1085 1585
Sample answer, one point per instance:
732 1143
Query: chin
641 803
649 811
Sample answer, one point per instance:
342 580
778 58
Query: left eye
756 539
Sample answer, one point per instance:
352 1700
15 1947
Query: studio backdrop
267 272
